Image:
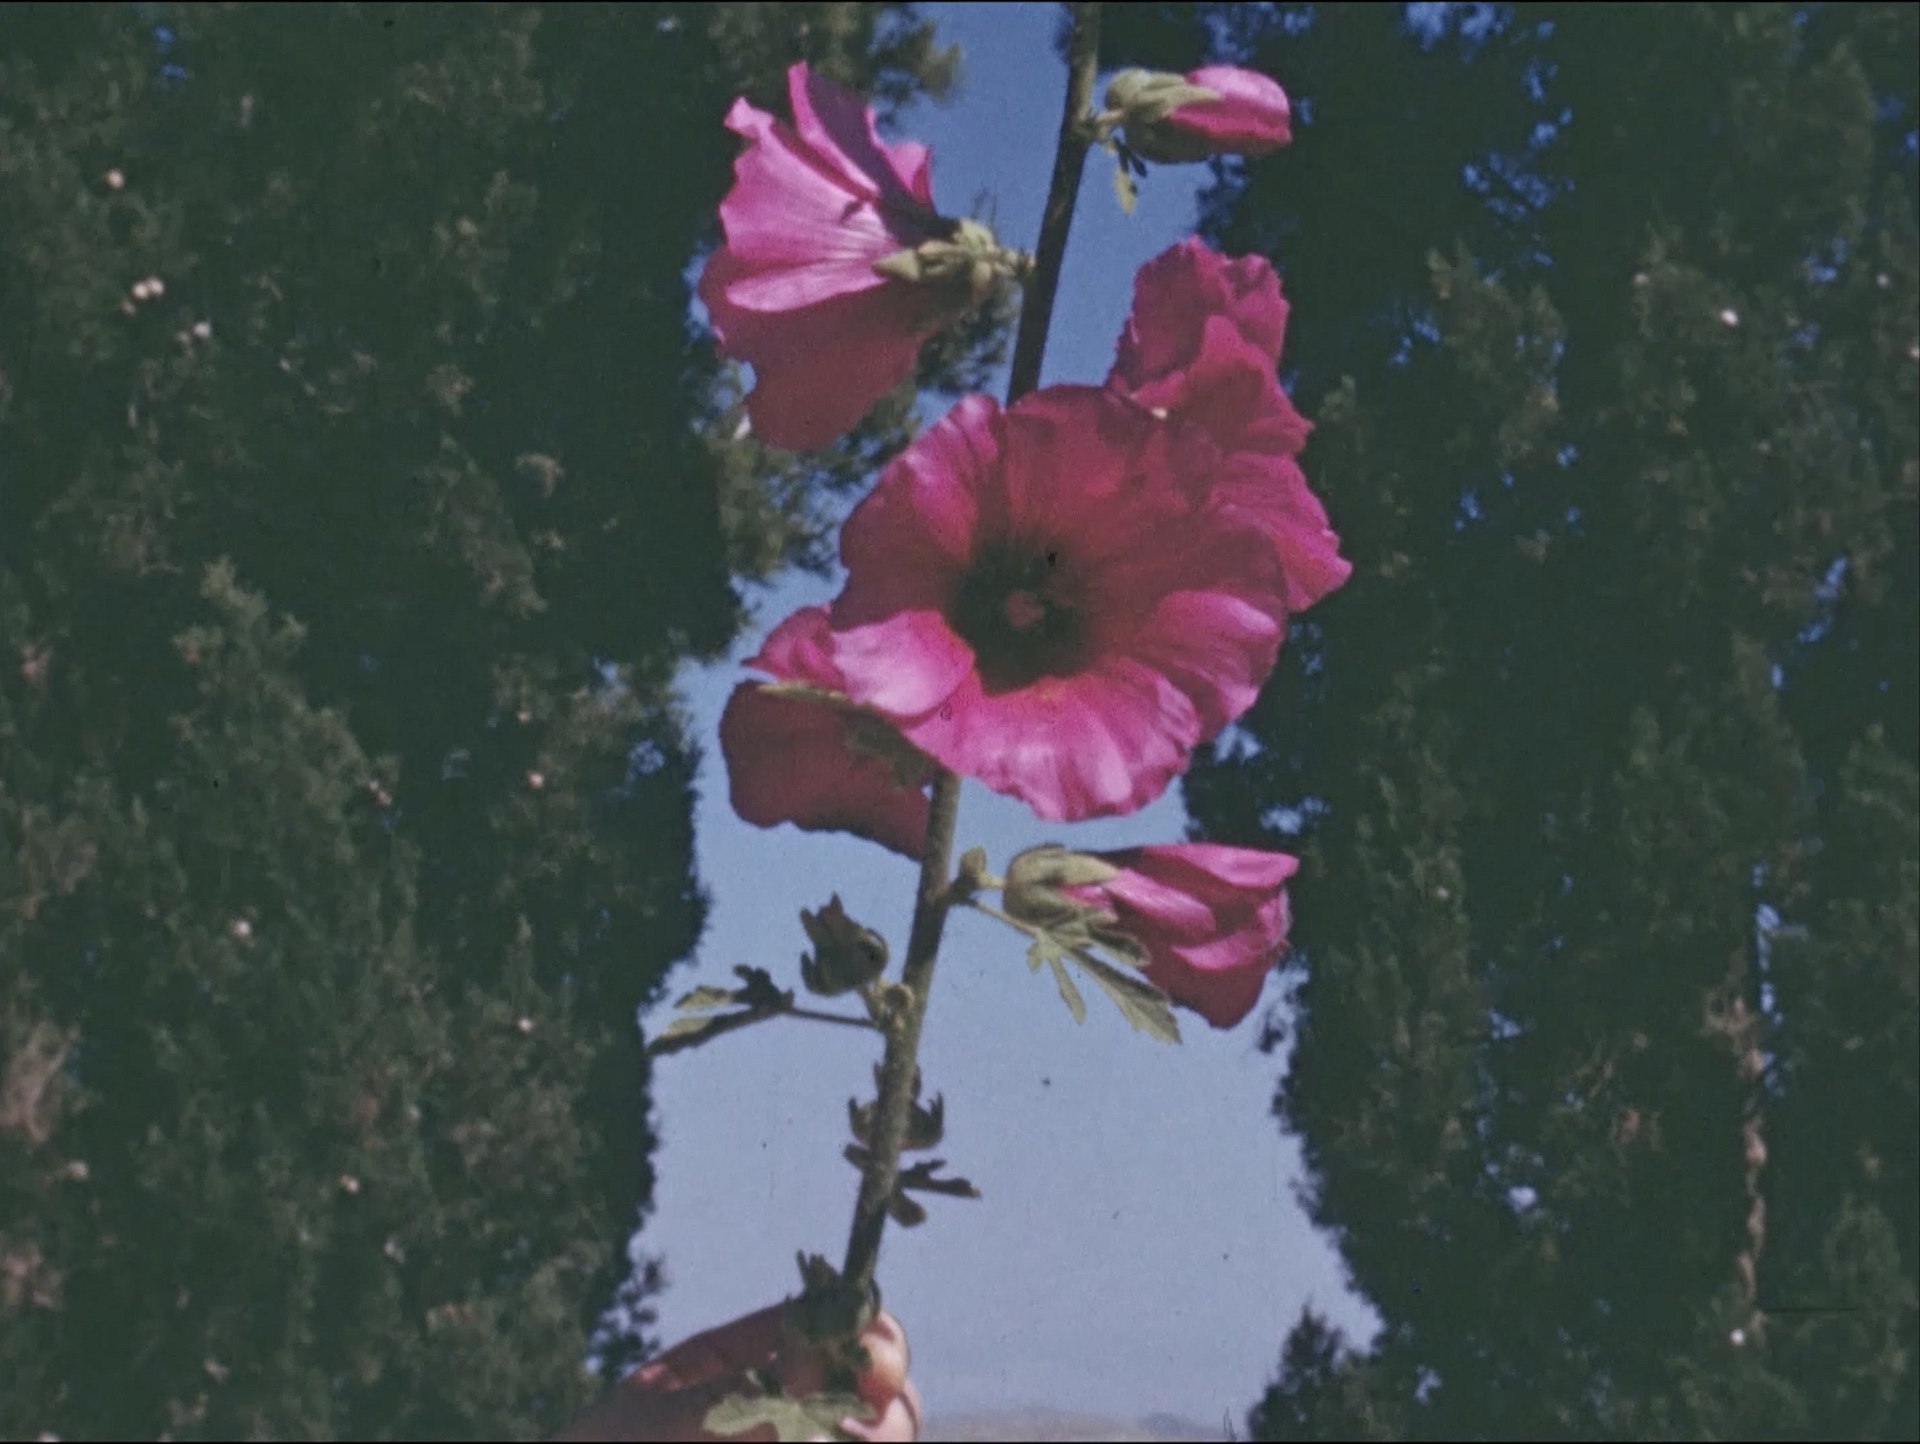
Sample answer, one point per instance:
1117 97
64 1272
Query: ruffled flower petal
793 291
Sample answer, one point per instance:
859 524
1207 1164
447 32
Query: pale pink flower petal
842 132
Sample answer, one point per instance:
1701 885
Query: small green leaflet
1142 1004
1069 994
1124 188
704 998
791 1418
1139 1002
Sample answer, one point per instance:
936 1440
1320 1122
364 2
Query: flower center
1019 614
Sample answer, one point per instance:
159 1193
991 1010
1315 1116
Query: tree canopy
363 480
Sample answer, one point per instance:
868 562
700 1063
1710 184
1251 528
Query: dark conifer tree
1604 1048
362 483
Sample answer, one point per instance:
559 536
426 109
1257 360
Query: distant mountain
1044 1426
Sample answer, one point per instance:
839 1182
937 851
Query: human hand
668 1398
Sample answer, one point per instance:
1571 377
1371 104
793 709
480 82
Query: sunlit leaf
1142 1004
706 997
791 1418
1069 994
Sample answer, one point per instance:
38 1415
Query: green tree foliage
1603 767
362 482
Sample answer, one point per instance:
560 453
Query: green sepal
846 955
920 1179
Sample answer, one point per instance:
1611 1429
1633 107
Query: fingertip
898 1423
887 1361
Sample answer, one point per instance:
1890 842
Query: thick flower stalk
836 267
1041 599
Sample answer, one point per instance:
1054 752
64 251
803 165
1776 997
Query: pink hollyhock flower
822 767
1215 110
1201 346
1213 920
794 291
1039 599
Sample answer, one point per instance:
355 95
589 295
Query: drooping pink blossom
1251 117
1038 598
822 767
1200 347
793 291
1213 920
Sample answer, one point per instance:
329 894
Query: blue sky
1138 1247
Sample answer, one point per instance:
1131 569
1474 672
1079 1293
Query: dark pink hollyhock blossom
1251 117
793 291
1200 347
1202 342
1039 599
820 767
1213 920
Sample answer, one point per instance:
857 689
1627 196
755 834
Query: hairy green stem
934 898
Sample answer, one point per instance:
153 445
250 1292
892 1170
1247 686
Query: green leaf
706 997
791 1418
1069 994
1142 1004
1045 948
1124 188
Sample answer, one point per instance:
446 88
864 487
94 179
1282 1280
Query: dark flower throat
1016 612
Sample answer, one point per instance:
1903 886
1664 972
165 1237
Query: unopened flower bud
845 956
1034 880
1216 110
